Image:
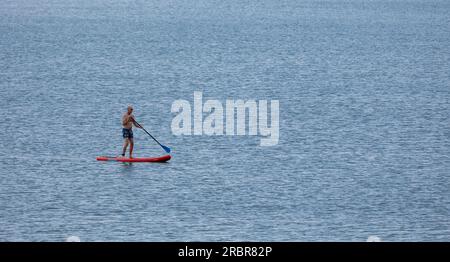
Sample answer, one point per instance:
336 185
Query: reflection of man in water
127 131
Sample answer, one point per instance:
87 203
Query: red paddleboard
136 159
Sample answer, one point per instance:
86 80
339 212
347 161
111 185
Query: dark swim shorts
127 133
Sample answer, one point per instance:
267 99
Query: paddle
163 146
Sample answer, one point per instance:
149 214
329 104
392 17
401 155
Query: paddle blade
166 149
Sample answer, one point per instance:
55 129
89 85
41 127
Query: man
127 131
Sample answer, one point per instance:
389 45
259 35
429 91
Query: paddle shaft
164 147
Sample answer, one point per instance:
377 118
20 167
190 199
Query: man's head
129 109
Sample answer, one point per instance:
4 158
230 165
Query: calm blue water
364 91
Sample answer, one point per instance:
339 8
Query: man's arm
134 122
127 119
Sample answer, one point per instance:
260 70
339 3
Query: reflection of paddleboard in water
136 159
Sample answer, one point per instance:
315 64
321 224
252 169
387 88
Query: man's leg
125 145
131 147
